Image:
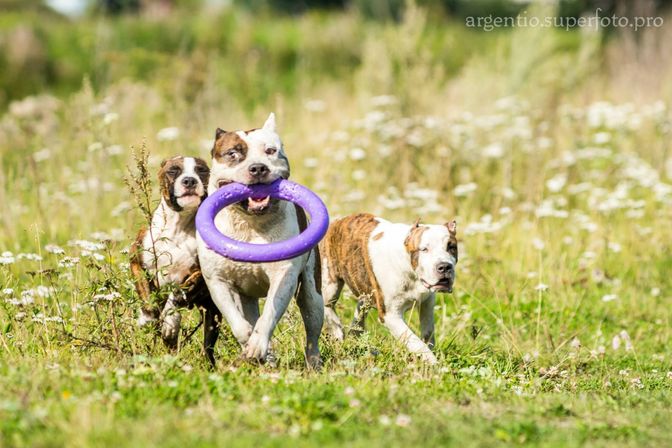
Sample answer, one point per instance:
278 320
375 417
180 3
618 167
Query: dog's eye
173 172
451 247
271 151
231 153
424 249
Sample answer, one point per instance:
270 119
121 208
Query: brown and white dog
395 266
164 256
253 157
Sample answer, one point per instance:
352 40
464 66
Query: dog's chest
170 254
251 279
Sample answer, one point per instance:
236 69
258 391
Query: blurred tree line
393 9
263 49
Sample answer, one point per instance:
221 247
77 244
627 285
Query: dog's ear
269 125
452 227
218 133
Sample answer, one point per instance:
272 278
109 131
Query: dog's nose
444 268
258 170
189 182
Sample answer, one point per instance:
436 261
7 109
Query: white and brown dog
164 256
253 157
396 266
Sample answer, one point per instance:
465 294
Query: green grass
556 167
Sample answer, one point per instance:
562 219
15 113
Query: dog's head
183 181
433 253
249 157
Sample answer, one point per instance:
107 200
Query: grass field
550 148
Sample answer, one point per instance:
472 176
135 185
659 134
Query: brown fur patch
377 236
202 171
346 246
143 286
168 173
229 149
412 243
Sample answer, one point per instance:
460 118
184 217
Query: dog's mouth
443 285
256 206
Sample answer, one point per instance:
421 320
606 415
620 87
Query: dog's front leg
282 287
427 320
170 320
225 299
394 321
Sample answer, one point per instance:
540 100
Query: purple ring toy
262 253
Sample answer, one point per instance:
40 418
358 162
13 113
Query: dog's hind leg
331 291
170 321
358 325
212 318
312 310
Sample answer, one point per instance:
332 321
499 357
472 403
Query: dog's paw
429 358
256 348
335 332
170 329
314 361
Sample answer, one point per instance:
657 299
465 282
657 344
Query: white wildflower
54 249
616 342
114 150
383 100
7 258
359 175
108 297
557 182
42 155
354 196
541 287
168 134
110 118
625 337
403 420
384 420
29 256
90 246
463 190
609 297
538 244
314 105
68 262
357 154
493 151
95 147
601 138
614 247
